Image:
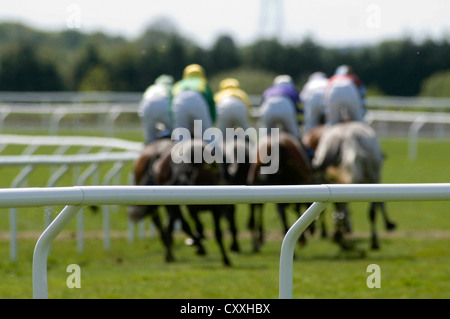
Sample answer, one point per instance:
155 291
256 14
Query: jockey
311 97
280 105
192 99
344 97
232 106
347 71
154 108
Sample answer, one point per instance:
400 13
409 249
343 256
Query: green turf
414 260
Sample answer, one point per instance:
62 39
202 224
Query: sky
330 23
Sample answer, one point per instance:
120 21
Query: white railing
55 113
55 106
69 97
432 103
416 121
60 164
76 197
69 141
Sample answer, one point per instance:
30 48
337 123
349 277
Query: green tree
89 60
253 81
125 70
266 54
21 69
95 79
437 85
224 54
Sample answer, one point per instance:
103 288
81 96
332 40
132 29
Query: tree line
34 60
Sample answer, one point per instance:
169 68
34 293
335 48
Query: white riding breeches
189 106
343 103
279 111
231 112
153 111
313 107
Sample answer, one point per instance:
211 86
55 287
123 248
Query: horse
294 168
237 164
236 155
187 171
349 152
151 168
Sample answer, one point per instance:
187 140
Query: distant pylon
271 19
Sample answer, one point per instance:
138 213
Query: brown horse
237 165
151 168
236 152
190 172
294 168
349 153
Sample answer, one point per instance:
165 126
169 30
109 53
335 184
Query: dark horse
234 171
151 168
190 172
237 159
294 168
349 153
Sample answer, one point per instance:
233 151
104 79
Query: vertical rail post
288 246
13 211
106 223
413 133
42 249
80 221
51 183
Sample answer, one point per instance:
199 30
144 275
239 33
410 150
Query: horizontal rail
164 195
71 140
68 97
67 108
408 117
67 159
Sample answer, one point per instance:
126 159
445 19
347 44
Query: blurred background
398 48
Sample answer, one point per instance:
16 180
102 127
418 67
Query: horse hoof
256 248
227 263
201 251
302 242
235 248
170 258
347 245
390 226
337 237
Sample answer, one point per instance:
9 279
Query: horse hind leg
323 225
219 236
281 208
389 225
198 224
374 236
176 214
165 237
255 226
341 220
230 215
251 217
